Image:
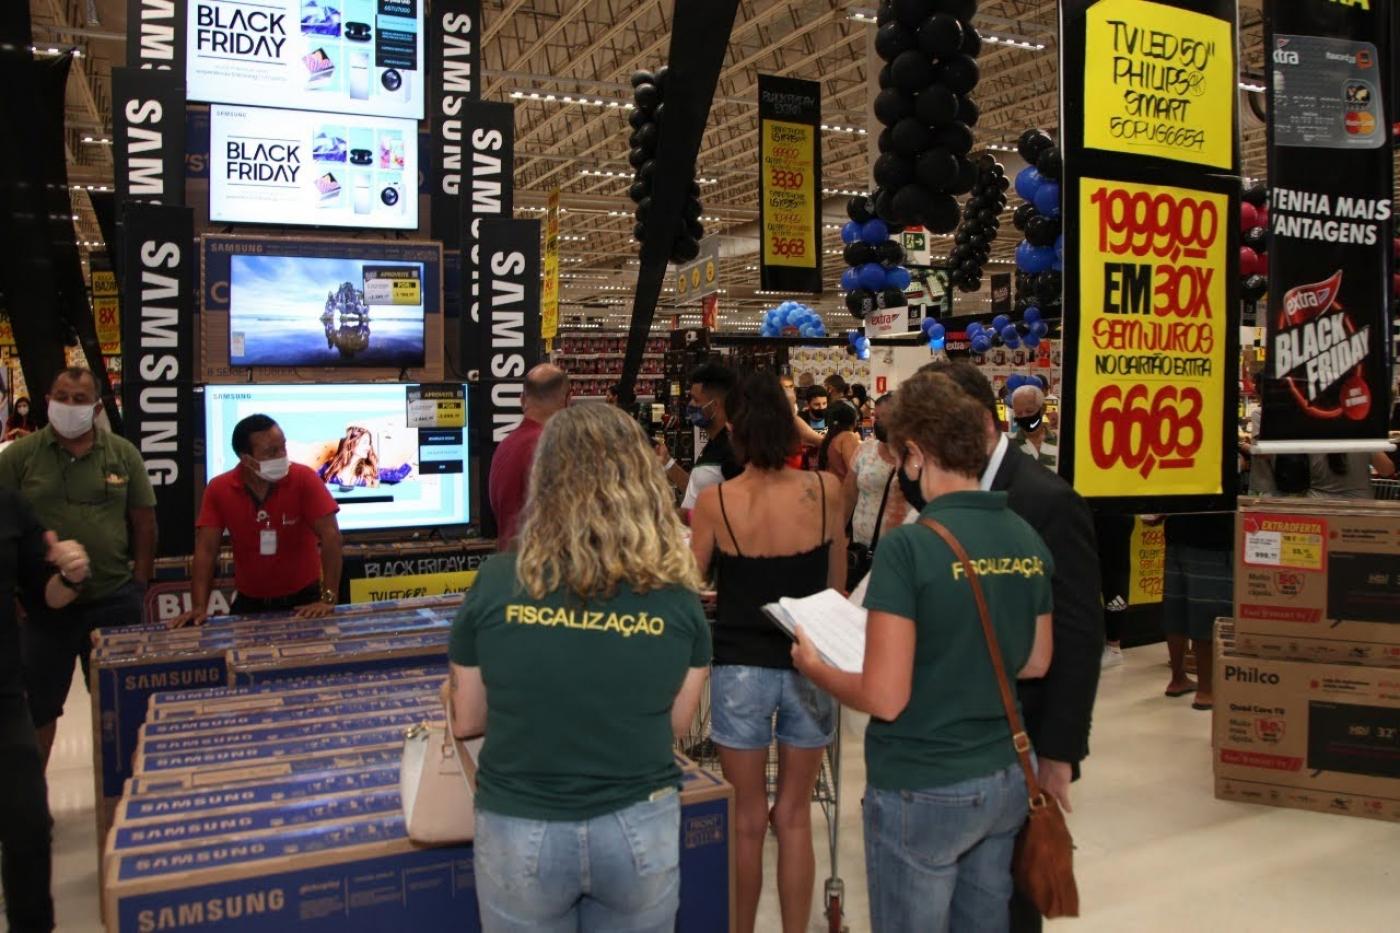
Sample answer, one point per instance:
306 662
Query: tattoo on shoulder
810 494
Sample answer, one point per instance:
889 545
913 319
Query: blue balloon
1033 259
938 332
872 276
807 330
898 277
1028 182
1060 247
1000 321
851 336
974 329
981 343
874 231
1047 198
937 344
1009 333
1013 382
1040 328
850 280
1031 340
926 325
1031 315
1012 344
850 233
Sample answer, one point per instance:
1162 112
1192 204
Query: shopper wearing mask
769 533
710 385
580 656
90 486
546 394
282 525
817 403
20 421
1037 440
946 794
839 447
35 567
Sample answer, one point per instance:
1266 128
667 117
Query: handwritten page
835 626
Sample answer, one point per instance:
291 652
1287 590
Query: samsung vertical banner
155 36
347 56
1326 377
1150 195
158 337
789 183
454 36
148 136
510 327
488 191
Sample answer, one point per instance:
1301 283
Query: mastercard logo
1360 124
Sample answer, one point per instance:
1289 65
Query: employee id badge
267 542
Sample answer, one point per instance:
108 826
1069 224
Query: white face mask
275 469
70 421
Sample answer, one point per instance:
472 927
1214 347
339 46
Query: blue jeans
616 872
940 859
743 701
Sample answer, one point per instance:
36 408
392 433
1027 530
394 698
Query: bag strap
1019 739
880 516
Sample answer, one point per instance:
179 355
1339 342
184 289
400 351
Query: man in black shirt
34 565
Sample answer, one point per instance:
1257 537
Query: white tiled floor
1156 851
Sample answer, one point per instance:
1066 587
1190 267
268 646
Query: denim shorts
743 700
1198 589
615 872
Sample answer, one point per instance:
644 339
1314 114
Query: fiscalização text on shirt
1002 566
623 624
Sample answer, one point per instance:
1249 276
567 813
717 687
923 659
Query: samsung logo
154 41
212 910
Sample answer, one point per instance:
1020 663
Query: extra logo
1320 352
1284 55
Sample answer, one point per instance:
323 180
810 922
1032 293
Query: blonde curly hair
600 511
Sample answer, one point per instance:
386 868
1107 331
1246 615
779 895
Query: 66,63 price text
1146 428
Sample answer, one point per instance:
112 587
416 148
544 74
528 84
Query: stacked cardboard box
1307 674
292 835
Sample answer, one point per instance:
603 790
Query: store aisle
1156 851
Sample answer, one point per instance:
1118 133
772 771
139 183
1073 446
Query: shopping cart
697 746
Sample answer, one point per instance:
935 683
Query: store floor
1156 850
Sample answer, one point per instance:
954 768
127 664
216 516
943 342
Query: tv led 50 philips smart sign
345 56
293 168
381 472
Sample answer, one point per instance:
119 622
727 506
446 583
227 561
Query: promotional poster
301 169
1327 375
347 56
789 186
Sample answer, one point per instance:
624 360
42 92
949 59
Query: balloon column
646 119
1007 333
1254 242
859 343
981 220
927 111
1040 256
792 319
876 277
935 333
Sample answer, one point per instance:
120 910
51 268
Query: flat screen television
383 473
325 311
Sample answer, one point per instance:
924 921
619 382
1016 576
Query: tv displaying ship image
319 311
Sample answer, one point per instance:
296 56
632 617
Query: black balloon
956 136
659 112
684 249
647 136
647 96
647 170
936 105
893 171
890 253
894 37
968 111
638 191
937 169
860 302
911 12
636 157
695 228
634 140
960 73
1042 230
886 78
891 298
1257 239
1032 143
660 78
644 209
1049 164
942 214
861 208
1256 194
884 209
893 105
885 141
987 216
858 254
962 9
972 41
637 118
1023 215
971 285
1253 288
911 70
1048 285
967 177
642 77
1003 182
694 185
940 36
910 203
640 232
692 209
911 137
885 12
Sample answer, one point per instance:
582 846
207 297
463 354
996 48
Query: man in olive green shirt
88 485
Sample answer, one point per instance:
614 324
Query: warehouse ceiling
544 55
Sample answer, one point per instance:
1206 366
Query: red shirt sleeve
211 509
316 499
509 482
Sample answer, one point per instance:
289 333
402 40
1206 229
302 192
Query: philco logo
1249 675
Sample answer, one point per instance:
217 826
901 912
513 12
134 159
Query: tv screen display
293 168
345 56
320 311
383 473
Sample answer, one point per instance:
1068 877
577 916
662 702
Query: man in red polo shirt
546 392
276 513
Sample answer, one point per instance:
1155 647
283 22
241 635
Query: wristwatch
328 597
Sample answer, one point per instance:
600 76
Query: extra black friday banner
1327 376
1150 191
789 186
351 56
302 169
158 343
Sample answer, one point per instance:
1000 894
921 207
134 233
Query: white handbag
437 783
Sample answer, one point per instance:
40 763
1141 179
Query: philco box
1319 570
365 876
250 665
1257 638
1332 730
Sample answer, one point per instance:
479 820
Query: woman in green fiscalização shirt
945 796
579 655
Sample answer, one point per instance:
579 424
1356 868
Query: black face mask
1031 423
911 490
881 434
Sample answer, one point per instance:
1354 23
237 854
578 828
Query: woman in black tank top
769 533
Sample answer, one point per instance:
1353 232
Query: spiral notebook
835 626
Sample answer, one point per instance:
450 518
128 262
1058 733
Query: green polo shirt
84 499
578 694
954 728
